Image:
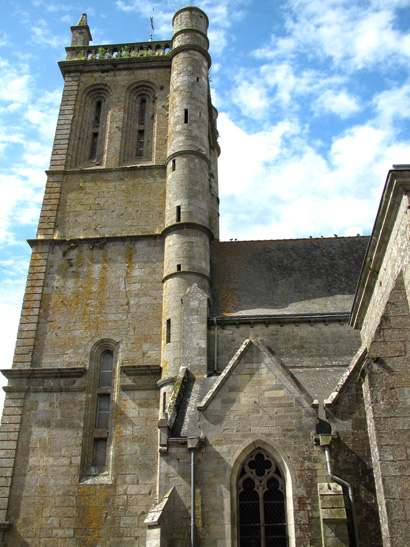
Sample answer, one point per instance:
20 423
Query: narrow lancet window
168 332
139 122
98 430
140 142
97 119
96 130
143 108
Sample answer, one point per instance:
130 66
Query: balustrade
117 51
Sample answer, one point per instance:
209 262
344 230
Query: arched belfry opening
261 502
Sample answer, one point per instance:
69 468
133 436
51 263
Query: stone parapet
112 52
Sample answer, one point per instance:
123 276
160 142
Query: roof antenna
152 25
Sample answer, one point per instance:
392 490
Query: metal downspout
346 485
216 347
193 497
193 443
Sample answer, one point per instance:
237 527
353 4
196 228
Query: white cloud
358 148
4 39
222 15
281 76
273 184
360 34
393 104
244 156
41 34
52 7
15 83
251 97
340 103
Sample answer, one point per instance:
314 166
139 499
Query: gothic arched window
261 502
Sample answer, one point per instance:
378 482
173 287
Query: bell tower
117 292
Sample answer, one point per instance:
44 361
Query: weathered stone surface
220 351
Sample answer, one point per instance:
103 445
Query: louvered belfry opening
261 493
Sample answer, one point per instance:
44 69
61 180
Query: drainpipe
216 348
348 486
192 447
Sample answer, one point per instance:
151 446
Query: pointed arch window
261 502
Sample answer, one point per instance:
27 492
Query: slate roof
295 276
186 423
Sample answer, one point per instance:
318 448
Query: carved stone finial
83 20
81 35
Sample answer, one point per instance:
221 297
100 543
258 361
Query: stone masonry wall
118 122
253 408
298 344
49 505
396 260
352 461
101 289
386 390
103 203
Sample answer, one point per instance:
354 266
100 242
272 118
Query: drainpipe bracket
323 440
193 443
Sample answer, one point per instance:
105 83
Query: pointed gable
263 359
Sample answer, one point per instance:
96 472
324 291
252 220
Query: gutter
193 444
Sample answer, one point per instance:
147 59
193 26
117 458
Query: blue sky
313 99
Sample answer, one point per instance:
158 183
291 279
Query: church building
171 390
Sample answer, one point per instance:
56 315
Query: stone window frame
248 472
86 129
90 432
283 464
132 126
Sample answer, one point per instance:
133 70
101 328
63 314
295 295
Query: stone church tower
169 389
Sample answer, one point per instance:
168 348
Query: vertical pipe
216 348
192 497
348 486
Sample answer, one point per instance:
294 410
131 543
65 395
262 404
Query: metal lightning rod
152 25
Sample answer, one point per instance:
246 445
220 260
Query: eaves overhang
397 185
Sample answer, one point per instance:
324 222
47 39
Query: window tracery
261 502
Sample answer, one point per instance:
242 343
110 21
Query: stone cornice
95 240
184 152
281 318
99 170
182 273
187 226
190 47
397 185
47 372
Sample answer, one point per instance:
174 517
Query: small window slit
168 332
